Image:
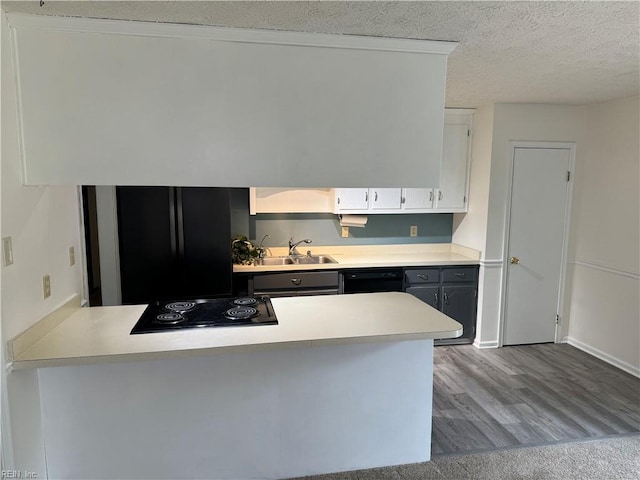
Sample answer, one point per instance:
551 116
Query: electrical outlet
7 251
72 256
46 286
345 232
413 231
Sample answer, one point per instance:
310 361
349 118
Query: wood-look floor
527 395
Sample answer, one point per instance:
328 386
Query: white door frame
571 146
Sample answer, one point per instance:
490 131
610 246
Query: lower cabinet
292 284
452 290
428 295
459 303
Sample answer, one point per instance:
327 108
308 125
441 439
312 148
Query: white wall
601 311
525 122
43 223
544 123
470 229
605 314
5 439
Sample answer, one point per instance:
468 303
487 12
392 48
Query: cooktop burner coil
180 306
241 313
245 301
172 317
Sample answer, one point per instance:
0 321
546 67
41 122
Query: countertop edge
345 266
19 364
350 257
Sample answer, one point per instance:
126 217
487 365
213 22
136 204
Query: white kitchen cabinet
417 199
368 200
452 192
107 102
352 199
385 198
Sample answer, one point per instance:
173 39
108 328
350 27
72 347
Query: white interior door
536 233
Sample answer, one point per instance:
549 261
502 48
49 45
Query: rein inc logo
18 474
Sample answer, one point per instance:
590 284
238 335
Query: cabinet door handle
375 198
296 281
436 297
446 298
402 200
338 200
440 195
366 196
460 275
431 195
422 276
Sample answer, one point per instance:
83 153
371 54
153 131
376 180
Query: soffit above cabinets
127 103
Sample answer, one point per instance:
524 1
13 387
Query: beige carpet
612 458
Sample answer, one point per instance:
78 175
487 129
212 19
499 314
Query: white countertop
368 256
101 334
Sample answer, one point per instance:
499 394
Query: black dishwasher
373 280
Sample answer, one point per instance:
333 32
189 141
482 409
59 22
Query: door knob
514 260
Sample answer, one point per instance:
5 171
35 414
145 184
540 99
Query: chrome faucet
262 249
292 245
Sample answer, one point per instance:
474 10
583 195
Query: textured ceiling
535 52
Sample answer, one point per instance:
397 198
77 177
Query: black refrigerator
175 243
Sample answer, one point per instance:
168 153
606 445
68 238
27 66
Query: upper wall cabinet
453 190
106 102
451 194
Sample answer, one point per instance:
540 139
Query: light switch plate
46 286
72 256
345 232
413 231
7 252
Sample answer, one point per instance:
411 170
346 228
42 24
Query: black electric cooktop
218 312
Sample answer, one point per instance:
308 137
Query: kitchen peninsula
341 383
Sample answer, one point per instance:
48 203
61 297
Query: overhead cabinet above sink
449 192
104 102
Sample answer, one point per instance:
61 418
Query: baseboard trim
635 371
491 263
492 344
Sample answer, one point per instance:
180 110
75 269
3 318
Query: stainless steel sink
308 259
296 260
274 261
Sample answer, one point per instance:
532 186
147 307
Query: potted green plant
244 252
